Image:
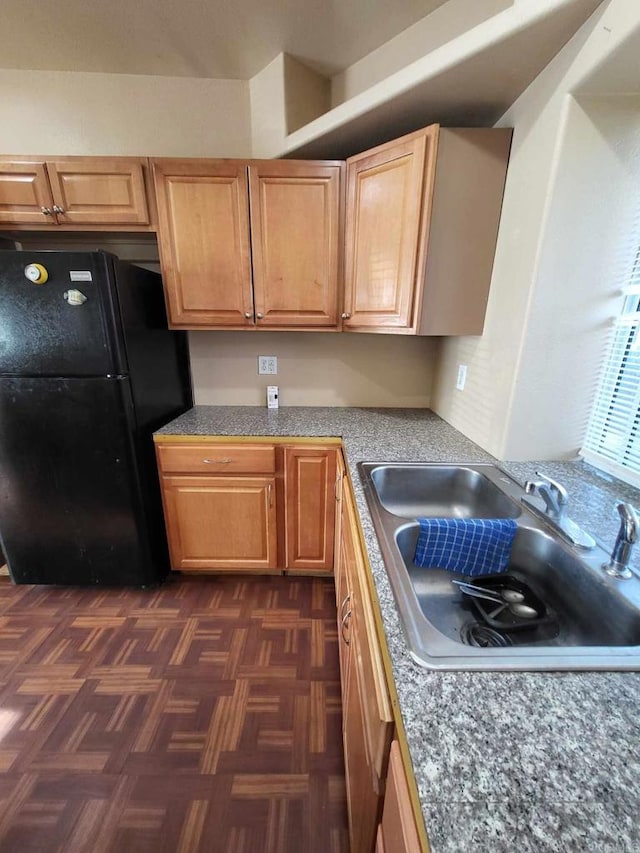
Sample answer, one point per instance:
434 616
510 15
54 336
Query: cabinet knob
47 211
248 315
260 316
58 209
345 316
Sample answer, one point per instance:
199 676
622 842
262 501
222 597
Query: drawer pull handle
343 626
345 600
225 461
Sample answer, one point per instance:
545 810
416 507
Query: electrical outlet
267 364
462 377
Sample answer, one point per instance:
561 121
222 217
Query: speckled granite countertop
524 761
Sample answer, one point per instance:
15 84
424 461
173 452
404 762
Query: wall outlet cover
267 364
462 377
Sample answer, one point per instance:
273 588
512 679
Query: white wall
586 245
268 109
513 406
314 368
445 23
63 112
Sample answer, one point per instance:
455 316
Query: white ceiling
197 38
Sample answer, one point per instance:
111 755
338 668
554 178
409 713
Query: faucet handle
561 493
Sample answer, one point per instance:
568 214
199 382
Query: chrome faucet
618 565
552 493
555 499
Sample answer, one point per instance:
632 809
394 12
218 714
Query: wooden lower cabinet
363 790
269 507
367 713
337 533
397 832
244 535
249 507
310 509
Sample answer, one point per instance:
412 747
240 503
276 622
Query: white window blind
613 437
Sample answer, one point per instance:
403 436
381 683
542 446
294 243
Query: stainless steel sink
438 491
593 620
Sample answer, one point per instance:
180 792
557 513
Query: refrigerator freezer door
65 325
70 503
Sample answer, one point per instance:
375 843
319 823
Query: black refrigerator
88 370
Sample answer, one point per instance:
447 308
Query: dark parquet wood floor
202 716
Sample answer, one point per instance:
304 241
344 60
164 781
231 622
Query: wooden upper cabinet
421 230
385 190
310 508
295 230
203 234
75 192
264 257
99 191
25 195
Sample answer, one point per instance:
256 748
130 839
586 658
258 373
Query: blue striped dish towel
472 546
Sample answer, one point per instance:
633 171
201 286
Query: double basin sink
589 620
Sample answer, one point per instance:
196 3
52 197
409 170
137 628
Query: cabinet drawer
217 458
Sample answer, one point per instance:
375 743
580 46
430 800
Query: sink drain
481 636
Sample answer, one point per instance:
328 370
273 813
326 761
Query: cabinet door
310 481
363 797
346 561
99 191
25 194
367 718
385 231
376 705
398 832
221 522
203 235
295 230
